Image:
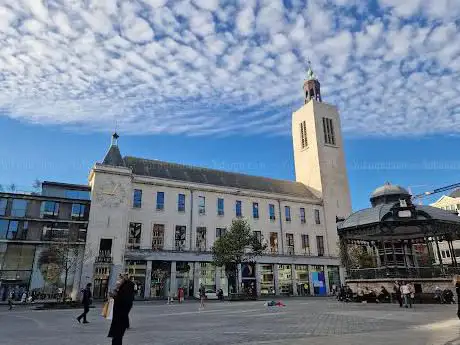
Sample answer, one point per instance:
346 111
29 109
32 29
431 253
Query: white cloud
216 67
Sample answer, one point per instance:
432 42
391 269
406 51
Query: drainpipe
191 219
281 226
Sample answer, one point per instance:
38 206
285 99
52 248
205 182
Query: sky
214 82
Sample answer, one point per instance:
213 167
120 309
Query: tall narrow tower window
303 135
328 129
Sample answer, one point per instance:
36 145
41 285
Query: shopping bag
105 309
110 310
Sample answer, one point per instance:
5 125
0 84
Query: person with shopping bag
122 304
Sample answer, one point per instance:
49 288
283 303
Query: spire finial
115 137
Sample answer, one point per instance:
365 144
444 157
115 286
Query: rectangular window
158 234
201 205
255 210
317 218
134 239
181 203
56 232
287 213
258 235
160 200
49 209
271 211
3 203
290 244
105 247
302 216
220 232
328 129
201 239
443 253
19 208
220 206
320 245
78 211
180 237
238 209
9 229
303 135
137 198
274 242
306 244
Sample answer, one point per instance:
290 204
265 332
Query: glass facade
267 281
134 239
161 279
201 205
49 209
180 237
78 211
285 280
303 280
19 208
137 270
207 277
184 277
319 281
333 276
3 204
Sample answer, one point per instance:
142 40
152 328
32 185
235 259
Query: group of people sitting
346 294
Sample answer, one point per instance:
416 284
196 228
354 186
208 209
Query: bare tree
37 185
66 258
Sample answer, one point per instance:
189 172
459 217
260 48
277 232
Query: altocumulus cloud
213 67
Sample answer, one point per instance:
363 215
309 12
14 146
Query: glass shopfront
161 279
285 280
137 270
184 277
207 277
267 281
319 281
16 262
333 277
302 279
248 278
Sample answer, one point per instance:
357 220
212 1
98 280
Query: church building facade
158 220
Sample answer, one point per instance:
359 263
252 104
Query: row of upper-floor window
48 209
451 207
201 243
160 205
59 231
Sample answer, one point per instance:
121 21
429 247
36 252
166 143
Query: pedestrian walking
202 292
397 291
122 304
406 293
10 300
86 300
457 290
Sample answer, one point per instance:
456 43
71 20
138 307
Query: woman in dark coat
457 289
123 301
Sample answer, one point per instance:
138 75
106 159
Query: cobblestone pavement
302 321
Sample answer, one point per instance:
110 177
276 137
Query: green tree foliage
356 256
239 244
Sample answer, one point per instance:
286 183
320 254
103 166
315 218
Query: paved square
302 321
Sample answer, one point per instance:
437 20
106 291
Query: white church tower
319 156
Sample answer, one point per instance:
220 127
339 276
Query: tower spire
311 86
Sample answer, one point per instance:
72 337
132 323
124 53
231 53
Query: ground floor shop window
333 277
184 277
285 280
207 277
137 270
267 282
248 276
319 281
302 279
161 279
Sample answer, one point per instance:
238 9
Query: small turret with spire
311 86
113 156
